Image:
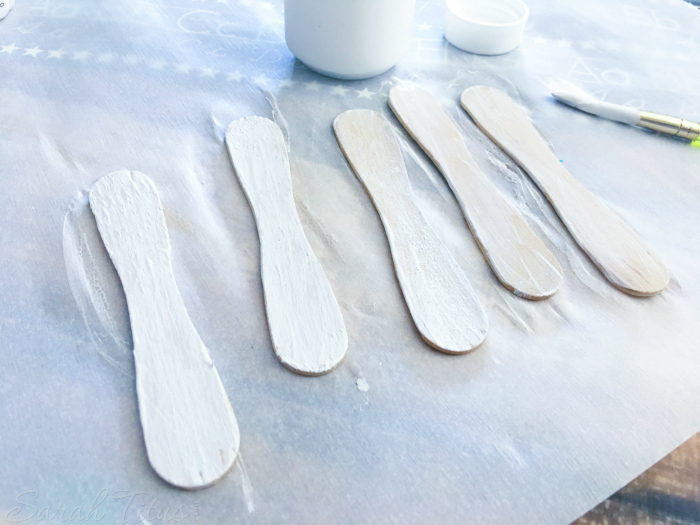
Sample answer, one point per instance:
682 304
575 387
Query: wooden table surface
666 494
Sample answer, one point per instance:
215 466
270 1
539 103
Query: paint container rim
453 6
485 27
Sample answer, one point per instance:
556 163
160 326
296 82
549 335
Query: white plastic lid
485 27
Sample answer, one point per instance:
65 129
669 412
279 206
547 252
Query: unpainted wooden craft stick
516 254
616 249
443 305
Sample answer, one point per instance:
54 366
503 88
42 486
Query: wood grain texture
443 305
666 494
517 256
615 248
191 434
304 318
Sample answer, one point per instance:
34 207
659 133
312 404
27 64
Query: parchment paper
568 399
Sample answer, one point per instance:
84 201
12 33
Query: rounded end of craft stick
318 366
306 372
649 290
450 349
204 475
464 337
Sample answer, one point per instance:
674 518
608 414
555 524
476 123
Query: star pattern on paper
424 27
58 53
235 76
8 49
365 93
33 51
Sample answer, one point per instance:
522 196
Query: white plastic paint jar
5 6
348 39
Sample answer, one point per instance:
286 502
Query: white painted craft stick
516 254
622 255
305 322
443 305
190 431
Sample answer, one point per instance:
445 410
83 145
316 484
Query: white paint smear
96 287
362 385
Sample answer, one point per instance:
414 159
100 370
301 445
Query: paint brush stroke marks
306 326
516 255
616 249
443 304
96 287
191 434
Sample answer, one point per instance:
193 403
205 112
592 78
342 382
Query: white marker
579 99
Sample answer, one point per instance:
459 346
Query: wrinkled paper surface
567 400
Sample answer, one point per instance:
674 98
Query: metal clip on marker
573 96
669 125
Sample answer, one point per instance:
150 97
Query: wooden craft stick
304 318
620 254
190 431
517 256
442 303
